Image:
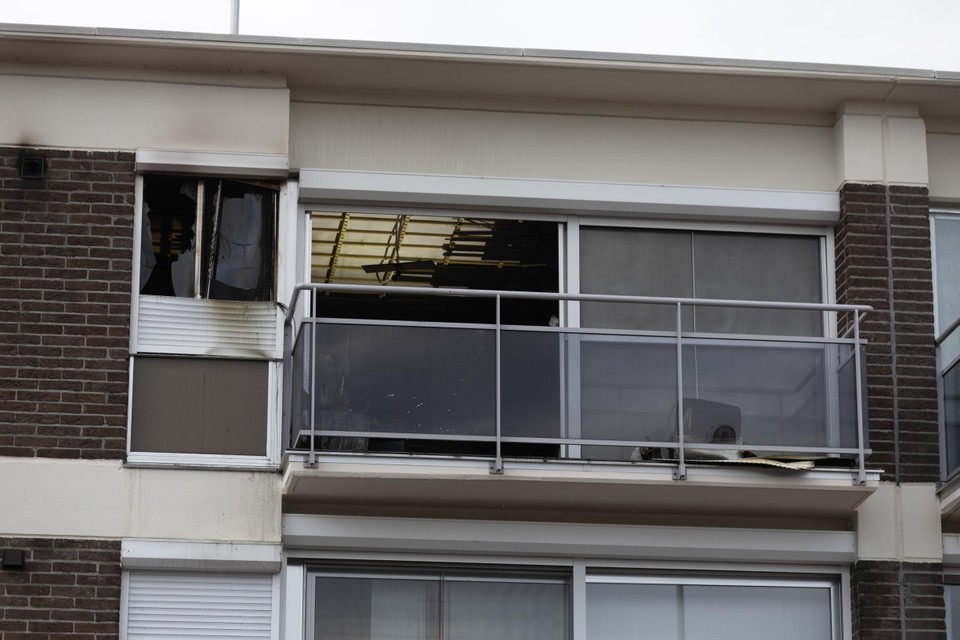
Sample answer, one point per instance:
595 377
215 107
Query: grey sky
896 33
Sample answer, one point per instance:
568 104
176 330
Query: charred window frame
235 223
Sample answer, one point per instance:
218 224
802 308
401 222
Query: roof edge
245 41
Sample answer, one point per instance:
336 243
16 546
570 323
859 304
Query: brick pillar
65 246
863 277
876 593
894 599
66 589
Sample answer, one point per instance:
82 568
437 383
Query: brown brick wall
876 592
862 278
65 244
68 589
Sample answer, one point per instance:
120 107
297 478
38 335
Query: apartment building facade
309 339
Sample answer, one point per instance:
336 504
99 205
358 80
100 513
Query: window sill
201 461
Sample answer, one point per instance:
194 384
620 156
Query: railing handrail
946 333
861 309
858 312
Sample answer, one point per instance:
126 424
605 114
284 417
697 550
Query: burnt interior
416 252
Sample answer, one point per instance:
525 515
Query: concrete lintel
212 163
560 196
533 539
202 556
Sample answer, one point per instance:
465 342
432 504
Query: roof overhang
566 75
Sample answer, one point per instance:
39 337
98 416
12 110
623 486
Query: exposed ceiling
438 251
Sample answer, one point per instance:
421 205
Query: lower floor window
456 603
450 604
690 609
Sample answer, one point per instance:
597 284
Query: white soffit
202 556
412 535
212 163
515 194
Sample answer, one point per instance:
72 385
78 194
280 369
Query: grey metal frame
733 580
945 474
935 214
679 337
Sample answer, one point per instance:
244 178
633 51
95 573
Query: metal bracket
496 466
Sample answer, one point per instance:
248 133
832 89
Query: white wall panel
562 147
943 151
124 114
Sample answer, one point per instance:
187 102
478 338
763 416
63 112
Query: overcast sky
894 33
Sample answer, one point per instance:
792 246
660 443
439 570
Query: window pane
748 613
167 244
200 405
376 609
947 238
505 610
725 266
757 267
238 243
697 612
633 612
637 262
952 594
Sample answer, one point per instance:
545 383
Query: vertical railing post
680 473
858 372
312 459
497 465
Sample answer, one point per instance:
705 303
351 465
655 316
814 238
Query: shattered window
208 238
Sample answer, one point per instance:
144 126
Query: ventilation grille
163 605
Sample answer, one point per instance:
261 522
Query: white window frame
299 573
226 165
833 586
569 227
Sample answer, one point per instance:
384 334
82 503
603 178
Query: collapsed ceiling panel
438 251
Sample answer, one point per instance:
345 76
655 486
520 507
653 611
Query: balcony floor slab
571 491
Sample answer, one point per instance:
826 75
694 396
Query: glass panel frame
576 583
831 585
442 576
944 228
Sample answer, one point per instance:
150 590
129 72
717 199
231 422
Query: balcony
406 401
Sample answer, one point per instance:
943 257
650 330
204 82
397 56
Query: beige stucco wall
500 143
116 113
81 499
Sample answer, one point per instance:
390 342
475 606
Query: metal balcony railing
500 390
948 388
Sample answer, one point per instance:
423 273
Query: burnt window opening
403 378
419 251
233 222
